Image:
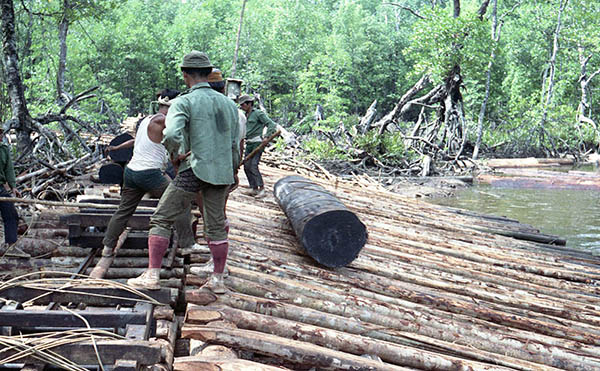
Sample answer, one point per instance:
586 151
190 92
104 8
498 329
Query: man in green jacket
201 137
8 188
256 122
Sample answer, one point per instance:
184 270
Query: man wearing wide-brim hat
200 135
256 121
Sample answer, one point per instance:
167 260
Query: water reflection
571 214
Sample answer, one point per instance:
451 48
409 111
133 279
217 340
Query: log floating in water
534 182
535 237
329 232
528 162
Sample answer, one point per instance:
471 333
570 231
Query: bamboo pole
261 146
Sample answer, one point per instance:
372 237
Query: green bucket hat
245 98
196 59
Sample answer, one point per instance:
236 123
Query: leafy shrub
323 150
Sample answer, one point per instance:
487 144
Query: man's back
204 122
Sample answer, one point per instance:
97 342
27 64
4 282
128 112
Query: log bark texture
359 345
303 353
200 363
329 232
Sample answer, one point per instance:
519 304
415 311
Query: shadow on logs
329 232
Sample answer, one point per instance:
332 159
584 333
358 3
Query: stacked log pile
432 289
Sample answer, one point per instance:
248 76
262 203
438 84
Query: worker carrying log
256 121
329 232
204 123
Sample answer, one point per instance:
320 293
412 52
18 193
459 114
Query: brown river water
570 214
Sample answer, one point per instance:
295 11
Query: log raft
431 289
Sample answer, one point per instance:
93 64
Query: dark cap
245 98
196 59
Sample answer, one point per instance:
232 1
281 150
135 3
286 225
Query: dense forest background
397 80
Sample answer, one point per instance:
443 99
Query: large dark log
329 232
121 155
111 174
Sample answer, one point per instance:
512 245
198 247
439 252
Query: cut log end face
334 238
111 174
121 155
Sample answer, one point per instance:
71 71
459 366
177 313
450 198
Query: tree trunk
584 110
352 325
63 29
456 8
488 77
365 123
406 98
20 113
548 92
199 363
302 353
237 40
451 114
421 320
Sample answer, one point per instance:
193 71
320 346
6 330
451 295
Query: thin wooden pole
237 41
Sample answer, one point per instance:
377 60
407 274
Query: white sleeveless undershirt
147 154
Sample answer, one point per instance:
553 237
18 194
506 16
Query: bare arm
156 127
126 144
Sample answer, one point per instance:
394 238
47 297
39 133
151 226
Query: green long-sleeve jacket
257 120
7 171
204 122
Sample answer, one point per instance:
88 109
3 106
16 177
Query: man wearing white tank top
144 174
